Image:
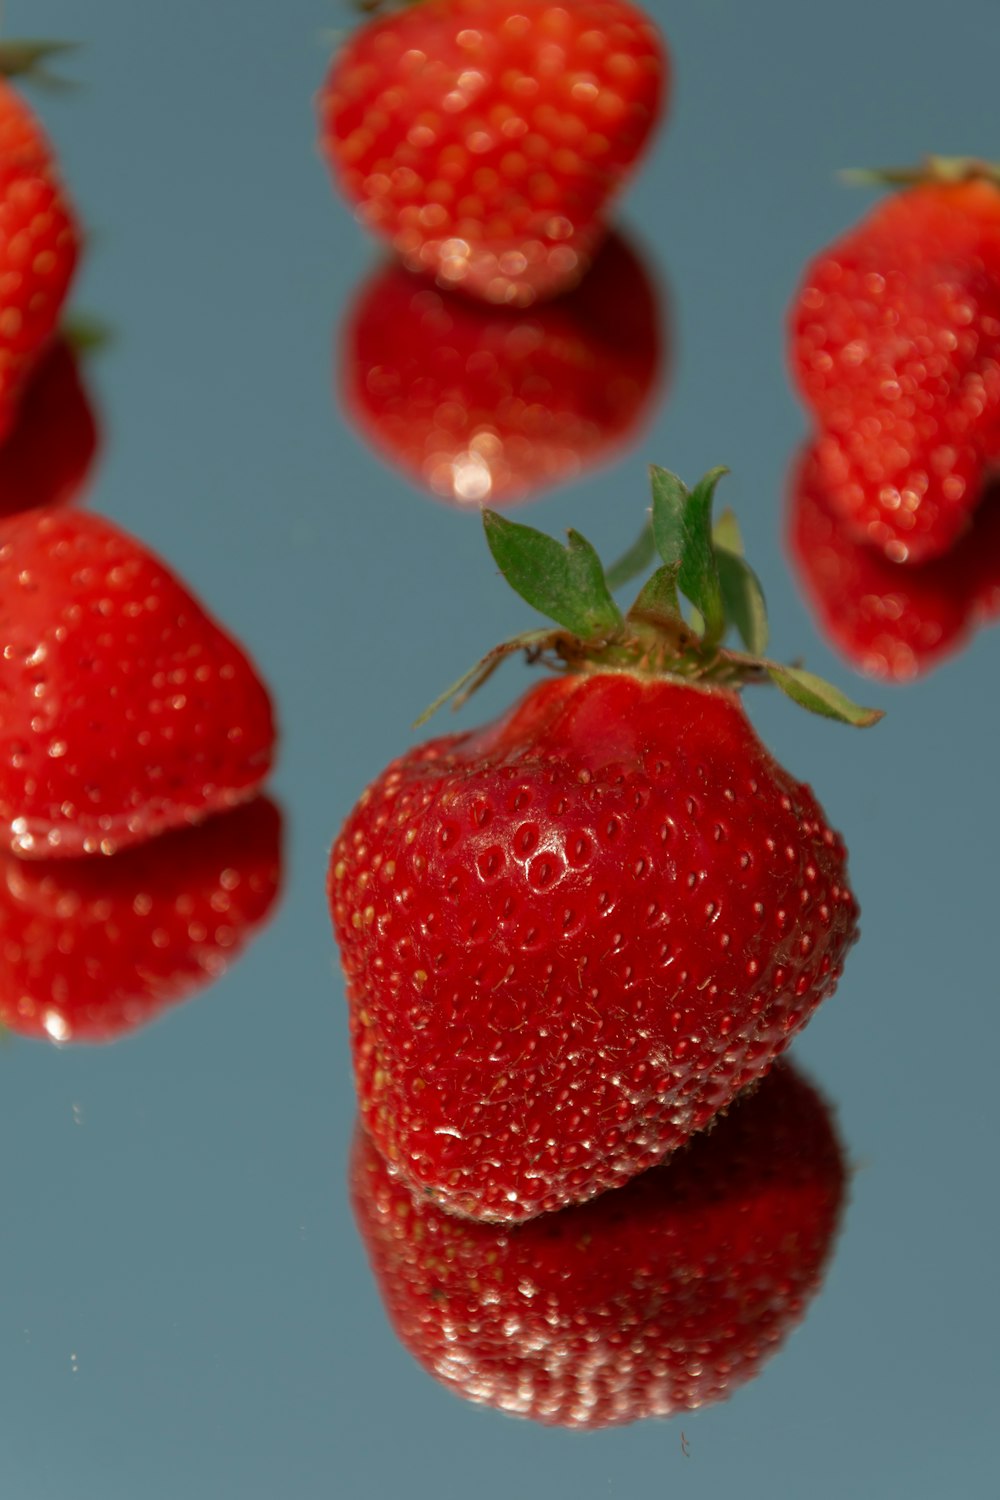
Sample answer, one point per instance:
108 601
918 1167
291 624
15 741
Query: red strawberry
124 709
895 345
480 403
38 247
657 1299
485 138
47 457
888 620
92 949
572 937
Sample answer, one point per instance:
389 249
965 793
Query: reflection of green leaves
820 697
565 583
682 529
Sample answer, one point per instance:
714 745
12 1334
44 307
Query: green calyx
944 170
695 560
371 8
29 59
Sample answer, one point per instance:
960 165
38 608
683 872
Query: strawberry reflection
47 457
892 620
92 949
483 404
653 1299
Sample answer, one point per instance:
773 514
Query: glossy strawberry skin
572 937
485 139
486 404
48 455
124 709
895 345
39 247
659 1298
886 619
91 950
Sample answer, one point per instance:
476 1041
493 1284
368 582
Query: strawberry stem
569 584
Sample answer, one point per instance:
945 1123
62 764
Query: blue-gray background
184 1306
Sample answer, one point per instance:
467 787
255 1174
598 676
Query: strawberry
895 346
93 949
572 937
478 402
657 1299
39 241
887 620
485 138
124 709
47 457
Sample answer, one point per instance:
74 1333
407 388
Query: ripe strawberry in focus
572 937
490 404
93 949
887 620
895 346
486 139
39 243
657 1299
47 457
124 709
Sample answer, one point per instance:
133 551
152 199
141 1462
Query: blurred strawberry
479 403
125 709
658 1297
92 949
486 140
47 457
894 344
888 619
39 239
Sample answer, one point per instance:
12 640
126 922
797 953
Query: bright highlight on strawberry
485 139
661 1298
124 709
572 937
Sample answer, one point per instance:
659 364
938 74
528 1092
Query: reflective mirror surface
189 1305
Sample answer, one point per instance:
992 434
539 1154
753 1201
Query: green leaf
699 575
86 334
726 533
658 600
820 697
743 599
670 497
565 583
633 562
